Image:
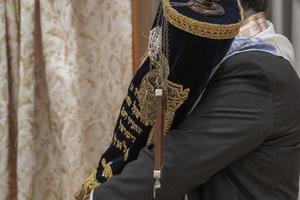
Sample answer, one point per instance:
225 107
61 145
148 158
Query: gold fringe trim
202 29
86 188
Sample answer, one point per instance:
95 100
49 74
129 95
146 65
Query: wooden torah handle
158 142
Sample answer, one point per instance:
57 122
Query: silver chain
167 38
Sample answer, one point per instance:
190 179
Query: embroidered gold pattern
127 134
146 97
121 144
203 29
175 96
107 171
124 113
128 101
86 188
126 155
134 126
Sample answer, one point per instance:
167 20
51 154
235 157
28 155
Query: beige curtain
64 69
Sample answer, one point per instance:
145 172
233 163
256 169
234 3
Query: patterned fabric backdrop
64 68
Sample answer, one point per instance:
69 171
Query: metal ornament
207 8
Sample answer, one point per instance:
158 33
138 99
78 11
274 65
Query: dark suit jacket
242 142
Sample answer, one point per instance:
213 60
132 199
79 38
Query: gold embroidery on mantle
86 188
155 77
126 155
203 29
107 171
174 96
146 98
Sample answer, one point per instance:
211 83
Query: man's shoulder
262 64
278 77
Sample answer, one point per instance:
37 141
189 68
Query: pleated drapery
64 69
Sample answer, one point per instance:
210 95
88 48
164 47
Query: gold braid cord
86 188
202 29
